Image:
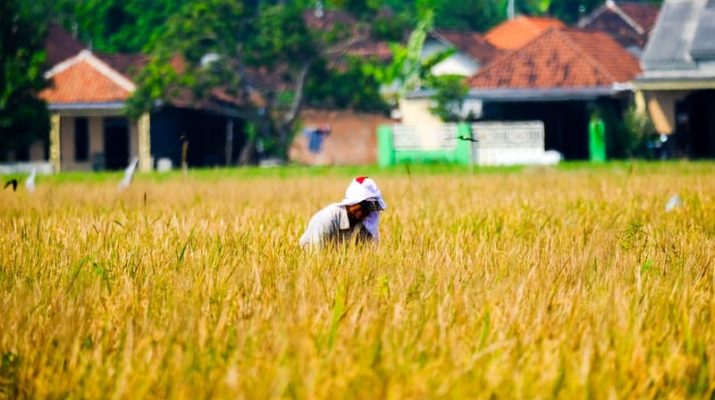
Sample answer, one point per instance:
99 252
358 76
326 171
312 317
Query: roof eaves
535 95
112 105
675 83
543 95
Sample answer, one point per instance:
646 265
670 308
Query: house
559 78
629 23
515 33
89 127
677 86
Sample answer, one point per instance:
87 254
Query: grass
566 282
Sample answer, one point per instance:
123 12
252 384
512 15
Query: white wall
458 64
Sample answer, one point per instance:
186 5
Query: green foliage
159 80
23 117
627 133
407 71
117 25
474 15
639 129
279 35
344 88
571 11
450 91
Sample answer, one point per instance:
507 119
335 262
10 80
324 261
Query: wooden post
144 143
55 142
229 141
184 153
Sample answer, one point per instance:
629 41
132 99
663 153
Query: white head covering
363 188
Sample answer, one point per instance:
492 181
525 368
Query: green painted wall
387 154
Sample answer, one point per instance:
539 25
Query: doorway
695 124
116 143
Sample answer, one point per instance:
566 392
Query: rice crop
528 283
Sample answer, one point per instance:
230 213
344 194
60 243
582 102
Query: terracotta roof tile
560 58
471 43
82 83
511 35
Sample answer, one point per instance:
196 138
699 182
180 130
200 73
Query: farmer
356 218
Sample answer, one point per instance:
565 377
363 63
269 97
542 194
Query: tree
468 15
450 92
638 129
571 11
409 72
348 87
262 54
23 116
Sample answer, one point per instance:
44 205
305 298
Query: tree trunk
247 151
286 127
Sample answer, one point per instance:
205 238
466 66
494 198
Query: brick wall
352 139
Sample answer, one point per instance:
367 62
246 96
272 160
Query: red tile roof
85 78
560 58
82 83
470 43
513 34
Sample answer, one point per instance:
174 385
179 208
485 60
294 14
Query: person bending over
356 218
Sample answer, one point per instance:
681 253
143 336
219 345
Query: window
81 139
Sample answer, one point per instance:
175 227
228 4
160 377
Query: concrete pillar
640 103
661 108
55 141
144 143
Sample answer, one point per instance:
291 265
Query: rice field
528 283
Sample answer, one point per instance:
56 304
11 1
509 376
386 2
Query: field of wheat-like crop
539 283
